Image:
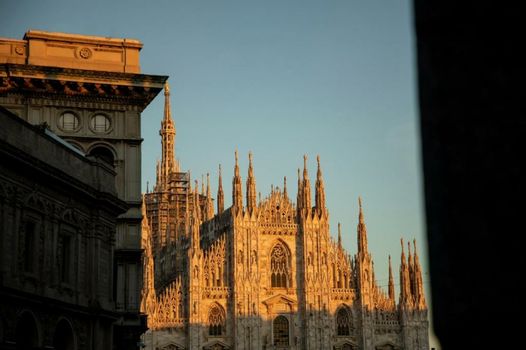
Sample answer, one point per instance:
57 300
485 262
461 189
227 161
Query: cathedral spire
391 282
405 288
362 230
209 204
285 195
220 194
196 220
251 186
410 267
420 300
373 278
167 133
197 204
237 195
208 184
339 235
299 196
306 186
320 191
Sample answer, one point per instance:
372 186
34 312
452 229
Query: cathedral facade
264 273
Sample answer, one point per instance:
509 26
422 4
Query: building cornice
85 85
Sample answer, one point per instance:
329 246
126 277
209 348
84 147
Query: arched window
342 322
26 333
103 153
281 331
216 321
280 266
64 338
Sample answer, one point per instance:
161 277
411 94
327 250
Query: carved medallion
19 50
85 53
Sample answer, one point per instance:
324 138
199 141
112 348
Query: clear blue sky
282 79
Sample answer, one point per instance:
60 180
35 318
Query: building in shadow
59 213
264 273
89 92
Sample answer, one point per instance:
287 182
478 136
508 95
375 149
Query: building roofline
81 38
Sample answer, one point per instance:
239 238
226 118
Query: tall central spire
167 133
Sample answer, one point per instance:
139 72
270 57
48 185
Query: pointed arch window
281 331
342 322
216 321
280 266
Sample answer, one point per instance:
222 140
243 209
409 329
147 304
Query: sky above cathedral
281 79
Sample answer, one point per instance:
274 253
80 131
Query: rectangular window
65 259
29 246
132 290
128 293
121 286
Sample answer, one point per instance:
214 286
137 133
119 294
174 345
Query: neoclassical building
264 273
89 92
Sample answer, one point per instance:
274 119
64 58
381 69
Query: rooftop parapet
76 51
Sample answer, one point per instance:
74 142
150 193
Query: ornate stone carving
85 53
266 261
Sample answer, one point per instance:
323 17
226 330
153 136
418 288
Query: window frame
282 344
280 279
29 261
65 262
60 122
95 128
217 328
342 311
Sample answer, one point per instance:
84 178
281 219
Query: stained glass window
280 266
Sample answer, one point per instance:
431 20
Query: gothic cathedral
264 273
